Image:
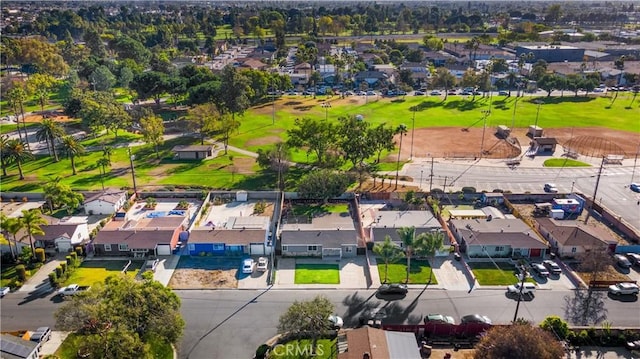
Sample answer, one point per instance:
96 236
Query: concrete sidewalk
40 280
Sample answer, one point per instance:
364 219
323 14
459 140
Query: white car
263 263
4 291
336 321
624 288
550 187
248 265
527 288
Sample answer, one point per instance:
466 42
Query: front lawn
314 210
96 271
397 273
564 162
9 275
317 274
302 348
499 273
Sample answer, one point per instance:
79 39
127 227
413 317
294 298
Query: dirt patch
55 115
596 141
261 141
244 165
203 279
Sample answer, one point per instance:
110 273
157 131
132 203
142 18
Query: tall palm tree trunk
19 164
73 164
24 126
53 148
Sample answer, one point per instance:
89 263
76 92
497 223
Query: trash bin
456 256
552 255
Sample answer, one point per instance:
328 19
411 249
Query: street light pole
421 171
486 114
524 276
539 102
326 106
431 175
413 131
133 171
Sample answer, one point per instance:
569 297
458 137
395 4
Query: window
574 249
285 248
499 248
123 247
348 249
107 248
312 248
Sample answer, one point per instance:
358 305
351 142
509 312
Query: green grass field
92 272
488 274
564 162
317 274
397 272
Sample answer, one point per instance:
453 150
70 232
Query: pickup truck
72 289
527 288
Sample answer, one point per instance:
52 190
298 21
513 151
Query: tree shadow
390 312
585 307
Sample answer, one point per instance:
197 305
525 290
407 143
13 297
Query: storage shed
503 131
534 131
546 144
194 152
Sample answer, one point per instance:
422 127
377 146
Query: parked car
624 289
263 263
552 266
452 92
72 289
336 321
526 288
401 93
373 317
540 269
248 265
41 334
635 187
4 291
622 261
634 258
550 187
371 93
439 319
393 289
348 93
435 93
418 93
475 318
503 93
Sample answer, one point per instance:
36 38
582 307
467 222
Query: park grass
487 274
92 272
307 273
301 348
397 272
564 162
69 347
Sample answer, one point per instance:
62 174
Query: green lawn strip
69 347
312 210
302 348
488 274
397 273
564 162
92 272
317 274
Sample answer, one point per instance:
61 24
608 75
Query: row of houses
237 228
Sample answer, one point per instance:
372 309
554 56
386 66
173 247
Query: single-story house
62 237
192 152
228 242
105 202
148 236
12 347
545 144
325 243
571 238
497 238
492 198
372 78
387 223
372 343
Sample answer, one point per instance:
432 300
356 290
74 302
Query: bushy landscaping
397 272
13 273
307 273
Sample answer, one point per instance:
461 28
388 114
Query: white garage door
257 249
163 250
64 247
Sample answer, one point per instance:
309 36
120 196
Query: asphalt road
613 190
233 323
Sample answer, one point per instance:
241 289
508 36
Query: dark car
373 317
634 258
41 334
393 289
622 261
475 318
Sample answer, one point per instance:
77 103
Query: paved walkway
450 274
40 281
166 267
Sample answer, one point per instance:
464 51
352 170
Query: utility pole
133 171
413 131
635 161
421 171
273 109
524 276
486 114
539 102
595 191
431 176
513 117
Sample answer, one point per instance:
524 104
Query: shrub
103 222
21 271
262 350
53 278
555 324
79 250
468 190
59 272
68 259
25 199
63 265
16 284
40 255
74 256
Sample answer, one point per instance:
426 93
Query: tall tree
307 319
153 131
4 158
318 136
40 85
430 244
323 184
59 195
233 95
17 153
519 340
32 220
106 319
202 119
277 158
50 132
355 143
102 79
12 225
103 163
382 139
445 80
389 252
72 148
410 243
402 131
225 125
16 97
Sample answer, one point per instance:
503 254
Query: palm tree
429 244
4 140
50 131
107 151
12 225
72 148
409 242
103 163
32 220
511 80
402 130
389 252
18 153
17 96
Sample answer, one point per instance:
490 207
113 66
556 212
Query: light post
513 117
133 171
431 175
326 106
421 171
539 102
413 131
635 161
485 114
